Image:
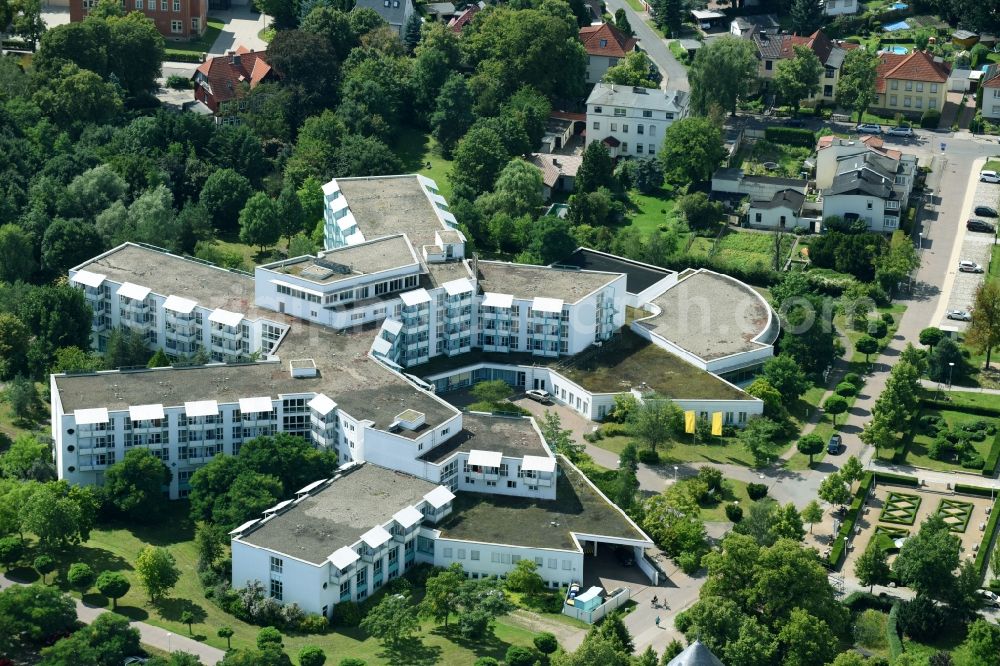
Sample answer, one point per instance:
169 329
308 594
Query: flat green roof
536 523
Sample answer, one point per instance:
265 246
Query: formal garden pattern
900 508
956 514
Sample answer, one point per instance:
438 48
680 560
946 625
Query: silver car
966 266
989 177
959 315
906 132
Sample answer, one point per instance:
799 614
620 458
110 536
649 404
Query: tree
668 15
269 637
852 470
284 12
27 458
797 78
441 596
14 340
227 633
58 514
187 617
784 374
391 620
648 175
546 642
653 422
31 613
452 116
157 571
479 157
928 558
699 212
757 437
559 438
81 576
692 148
518 191
290 214
109 640
480 603
767 521
525 579
44 565
310 655
856 88
835 490
636 69
113 585
627 481
983 333
807 15
134 486
723 71
551 240
259 223
11 551
834 406
22 396
621 22
946 363
67 243
518 655
810 445
596 169
75 95
224 195
812 514
807 640
872 566
364 156
17 255
897 262
982 644
411 32
931 336
867 345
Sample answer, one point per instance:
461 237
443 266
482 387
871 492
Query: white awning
322 404
225 317
201 408
133 291
289 285
278 507
357 238
415 297
459 286
242 528
408 517
438 497
89 279
346 222
256 405
590 595
179 305
376 536
91 416
343 558
393 326
381 346
338 204
485 458
492 300
538 464
312 486
547 304
145 412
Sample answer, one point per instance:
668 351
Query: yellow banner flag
717 423
689 421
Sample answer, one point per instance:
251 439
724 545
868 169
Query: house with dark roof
558 171
745 26
910 84
872 187
773 48
631 121
695 654
395 12
605 45
223 83
781 212
839 7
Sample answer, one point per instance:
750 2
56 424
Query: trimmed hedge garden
982 557
956 514
850 520
896 479
900 509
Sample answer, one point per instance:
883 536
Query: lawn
197 46
727 451
917 453
419 153
788 159
732 491
746 249
896 310
961 399
649 211
956 514
115 548
992 165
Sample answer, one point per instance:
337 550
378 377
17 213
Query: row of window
299 294
639 129
913 102
911 85
619 112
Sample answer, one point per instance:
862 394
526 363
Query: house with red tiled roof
222 83
773 48
464 17
605 46
910 84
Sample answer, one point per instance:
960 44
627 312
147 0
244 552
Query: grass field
732 491
198 46
727 451
116 548
649 211
991 165
917 453
788 158
746 249
419 154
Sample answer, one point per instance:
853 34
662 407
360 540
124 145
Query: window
447 553
638 148
597 125
625 128
920 103
640 129
277 589
461 553
647 113
511 484
757 217
163 5
598 109
907 101
827 91
196 26
909 85
138 4
624 147
920 86
894 84
769 65
277 564
652 131
893 100
651 148
567 565
619 113
830 72
345 588
553 563
869 204
474 555
934 88
176 26
614 127
495 558
177 5
604 43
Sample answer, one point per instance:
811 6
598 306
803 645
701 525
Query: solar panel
334 266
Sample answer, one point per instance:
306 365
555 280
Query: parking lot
977 247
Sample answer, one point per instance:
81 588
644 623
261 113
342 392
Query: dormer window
604 43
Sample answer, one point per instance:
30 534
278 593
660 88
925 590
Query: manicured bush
756 491
846 389
649 457
354 661
546 643
614 430
734 512
791 136
988 535
486 661
930 119
847 527
518 655
314 623
862 600
179 82
310 655
81 576
978 410
896 479
992 458
855 379
269 636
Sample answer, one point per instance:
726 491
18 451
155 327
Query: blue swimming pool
899 5
898 50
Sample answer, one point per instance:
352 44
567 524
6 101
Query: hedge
993 457
792 136
896 479
892 633
982 557
183 56
861 600
847 528
978 410
975 490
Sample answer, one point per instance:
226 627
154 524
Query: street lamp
920 240
675 473
951 368
168 641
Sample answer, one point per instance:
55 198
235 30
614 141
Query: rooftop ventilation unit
410 419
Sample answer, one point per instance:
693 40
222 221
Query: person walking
654 601
657 621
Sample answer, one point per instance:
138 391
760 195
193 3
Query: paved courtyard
241 28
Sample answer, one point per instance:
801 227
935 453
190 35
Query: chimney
234 58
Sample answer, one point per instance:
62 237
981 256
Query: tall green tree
157 571
723 72
17 254
596 169
259 223
872 566
441 596
757 437
134 486
635 69
784 374
452 116
113 585
224 194
109 640
856 88
30 614
810 445
984 331
692 150
626 480
669 15
835 490
392 620
14 339
27 458
654 421
807 15
928 558
480 156
797 78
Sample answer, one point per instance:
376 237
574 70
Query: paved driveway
241 28
674 74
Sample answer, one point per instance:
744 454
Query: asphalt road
674 74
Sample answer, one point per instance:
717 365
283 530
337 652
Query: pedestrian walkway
154 637
936 386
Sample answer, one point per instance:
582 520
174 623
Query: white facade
991 100
632 121
839 7
881 215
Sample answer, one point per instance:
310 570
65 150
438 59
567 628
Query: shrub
855 379
921 618
310 655
988 535
974 461
179 82
518 655
354 661
81 576
756 491
649 457
930 119
11 550
897 479
346 614
269 636
792 136
869 629
398 586
486 661
292 616
992 458
734 512
846 389
861 600
689 563
892 632
314 623
546 643
614 430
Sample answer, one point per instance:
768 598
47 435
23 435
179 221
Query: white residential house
781 212
865 193
630 120
395 12
840 7
991 96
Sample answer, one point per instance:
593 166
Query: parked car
901 131
966 266
625 556
869 128
990 598
960 315
986 211
979 225
989 177
539 396
833 446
